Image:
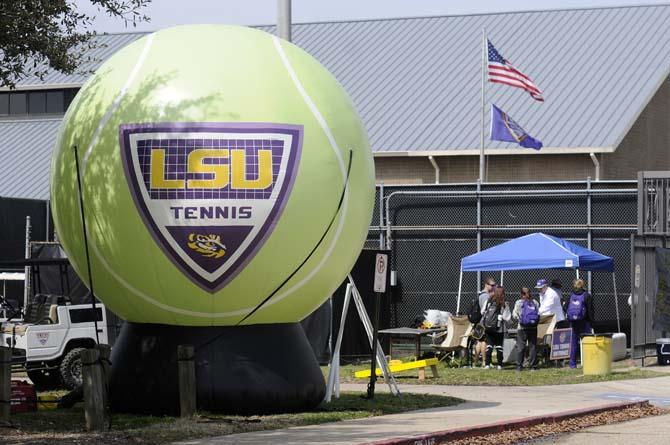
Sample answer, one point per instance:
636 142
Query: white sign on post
381 266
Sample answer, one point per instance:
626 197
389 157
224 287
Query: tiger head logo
207 245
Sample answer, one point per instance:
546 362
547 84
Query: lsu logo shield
42 337
210 193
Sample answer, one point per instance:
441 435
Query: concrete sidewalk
486 404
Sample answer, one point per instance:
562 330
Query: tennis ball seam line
314 249
333 144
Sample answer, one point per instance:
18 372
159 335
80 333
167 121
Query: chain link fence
429 228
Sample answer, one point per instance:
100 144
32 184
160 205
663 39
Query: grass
67 425
506 377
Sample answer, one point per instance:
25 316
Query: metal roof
417 81
105 45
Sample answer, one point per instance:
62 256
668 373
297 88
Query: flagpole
481 148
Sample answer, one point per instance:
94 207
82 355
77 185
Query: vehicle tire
70 368
45 379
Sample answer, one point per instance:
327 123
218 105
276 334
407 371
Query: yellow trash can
597 354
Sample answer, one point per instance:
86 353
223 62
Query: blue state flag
503 128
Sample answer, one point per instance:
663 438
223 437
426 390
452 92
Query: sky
166 13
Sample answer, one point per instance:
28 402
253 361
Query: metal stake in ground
381 263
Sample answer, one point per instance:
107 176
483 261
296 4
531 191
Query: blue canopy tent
537 251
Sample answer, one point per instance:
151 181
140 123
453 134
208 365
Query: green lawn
67 425
505 377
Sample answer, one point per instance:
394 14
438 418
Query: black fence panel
429 228
428 271
13 214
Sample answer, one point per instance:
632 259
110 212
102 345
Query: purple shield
210 193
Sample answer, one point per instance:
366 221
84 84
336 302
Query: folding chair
458 331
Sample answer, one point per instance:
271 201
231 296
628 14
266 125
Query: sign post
381 267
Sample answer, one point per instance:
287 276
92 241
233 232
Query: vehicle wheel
45 379
70 368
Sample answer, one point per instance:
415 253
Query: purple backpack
530 315
577 307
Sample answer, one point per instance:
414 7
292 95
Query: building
417 85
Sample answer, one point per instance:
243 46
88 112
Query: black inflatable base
257 369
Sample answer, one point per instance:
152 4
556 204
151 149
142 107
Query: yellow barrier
45 402
597 351
421 365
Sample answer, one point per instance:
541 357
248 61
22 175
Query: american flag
501 71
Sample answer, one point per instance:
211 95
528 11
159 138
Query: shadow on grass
67 425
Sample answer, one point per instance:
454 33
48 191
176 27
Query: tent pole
460 285
502 277
616 303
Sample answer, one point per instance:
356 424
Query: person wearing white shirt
550 301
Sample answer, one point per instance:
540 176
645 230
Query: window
37 102
69 96
55 102
85 315
4 103
17 103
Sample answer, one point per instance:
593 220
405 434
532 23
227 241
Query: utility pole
284 19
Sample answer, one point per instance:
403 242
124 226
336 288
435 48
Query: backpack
576 307
475 312
490 318
530 314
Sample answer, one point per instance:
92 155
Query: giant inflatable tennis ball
226 179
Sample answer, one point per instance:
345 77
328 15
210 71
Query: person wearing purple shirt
580 319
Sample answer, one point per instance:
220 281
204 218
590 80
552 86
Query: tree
41 35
